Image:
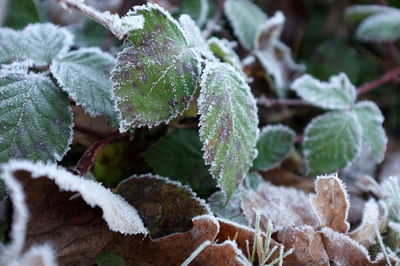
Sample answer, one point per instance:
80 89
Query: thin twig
211 25
268 102
391 75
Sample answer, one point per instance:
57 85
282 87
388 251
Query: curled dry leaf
165 206
331 204
308 247
365 233
280 205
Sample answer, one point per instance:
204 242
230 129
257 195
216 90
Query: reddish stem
212 24
391 75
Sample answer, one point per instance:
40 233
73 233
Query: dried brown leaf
331 204
308 247
165 206
280 205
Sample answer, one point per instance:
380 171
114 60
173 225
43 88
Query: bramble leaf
223 49
359 12
155 79
380 27
178 155
85 75
374 138
332 141
337 93
273 145
274 55
39 42
245 18
228 124
35 121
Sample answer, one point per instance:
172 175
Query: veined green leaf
39 42
228 124
337 93
380 27
155 79
223 49
245 18
85 75
273 145
358 12
332 141
35 119
374 137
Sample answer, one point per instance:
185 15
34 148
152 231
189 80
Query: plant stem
213 23
107 19
391 75
268 102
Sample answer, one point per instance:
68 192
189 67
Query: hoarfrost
42 255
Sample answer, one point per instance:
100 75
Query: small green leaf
274 55
253 180
332 141
245 18
358 12
199 10
155 79
85 75
178 155
39 42
273 145
20 13
223 49
110 259
374 137
338 93
36 119
380 27
228 124
88 33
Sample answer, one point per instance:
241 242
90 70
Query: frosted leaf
196 9
223 49
36 119
359 12
228 124
273 145
282 206
332 141
165 206
155 79
194 37
42 255
253 180
374 138
275 56
85 75
40 191
365 232
337 93
245 17
331 203
10 46
380 27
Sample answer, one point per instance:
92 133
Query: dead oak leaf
331 204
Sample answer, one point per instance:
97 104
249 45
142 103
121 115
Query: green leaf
374 137
110 259
88 33
85 75
199 10
358 12
338 93
380 27
274 55
20 13
253 180
155 79
223 49
228 124
39 42
245 18
178 155
36 119
332 141
273 145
